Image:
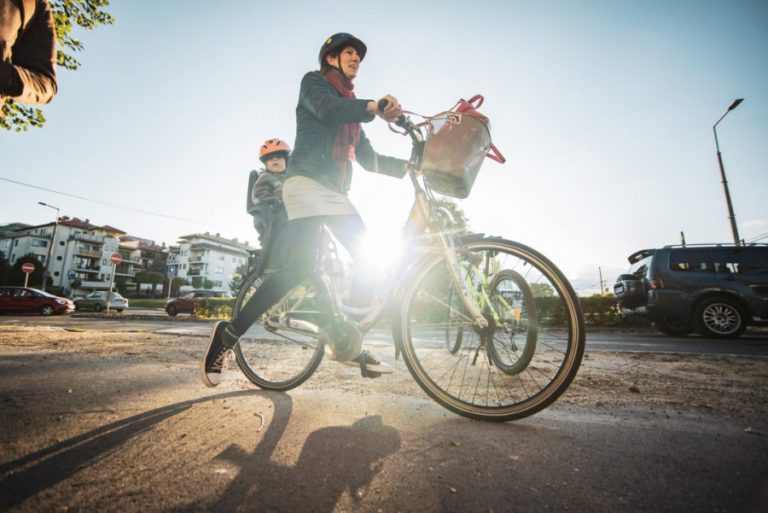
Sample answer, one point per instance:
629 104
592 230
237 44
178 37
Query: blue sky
603 109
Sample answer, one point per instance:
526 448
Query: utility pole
682 238
48 266
731 215
602 283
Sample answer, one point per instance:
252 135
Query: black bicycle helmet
338 42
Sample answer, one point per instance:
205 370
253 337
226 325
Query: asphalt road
134 431
752 343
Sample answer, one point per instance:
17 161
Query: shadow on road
33 473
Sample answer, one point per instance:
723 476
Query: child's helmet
271 147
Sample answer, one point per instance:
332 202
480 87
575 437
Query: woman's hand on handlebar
391 110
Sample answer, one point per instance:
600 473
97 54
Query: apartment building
80 253
200 257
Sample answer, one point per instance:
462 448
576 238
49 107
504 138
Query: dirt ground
100 420
727 384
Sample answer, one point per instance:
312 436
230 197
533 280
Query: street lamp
53 241
731 216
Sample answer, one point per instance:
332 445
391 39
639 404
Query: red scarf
348 134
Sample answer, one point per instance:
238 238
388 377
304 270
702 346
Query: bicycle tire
467 382
454 330
504 346
270 361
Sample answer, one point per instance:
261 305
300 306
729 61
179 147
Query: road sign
28 267
71 275
116 258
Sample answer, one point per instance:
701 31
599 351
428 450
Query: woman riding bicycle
328 138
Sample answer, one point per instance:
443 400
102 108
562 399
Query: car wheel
171 310
119 310
673 329
719 317
98 307
46 310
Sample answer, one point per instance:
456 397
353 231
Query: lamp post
731 216
53 241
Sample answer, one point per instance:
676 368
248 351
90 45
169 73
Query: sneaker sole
379 369
204 376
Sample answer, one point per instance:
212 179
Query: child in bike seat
265 192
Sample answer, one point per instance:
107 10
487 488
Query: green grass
146 303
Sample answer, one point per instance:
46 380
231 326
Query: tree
16 275
87 14
4 268
458 214
151 277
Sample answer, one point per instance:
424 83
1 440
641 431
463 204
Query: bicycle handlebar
402 122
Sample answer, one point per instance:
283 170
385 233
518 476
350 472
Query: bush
214 308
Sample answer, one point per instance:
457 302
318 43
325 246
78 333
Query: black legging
301 240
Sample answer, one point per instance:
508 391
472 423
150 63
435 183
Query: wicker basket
456 145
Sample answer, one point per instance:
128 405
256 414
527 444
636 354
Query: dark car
186 303
29 300
715 289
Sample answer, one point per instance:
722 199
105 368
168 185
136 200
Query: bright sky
603 109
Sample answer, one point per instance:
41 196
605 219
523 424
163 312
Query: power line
759 237
101 202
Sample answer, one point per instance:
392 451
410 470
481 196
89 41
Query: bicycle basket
455 148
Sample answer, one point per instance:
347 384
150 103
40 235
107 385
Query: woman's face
348 60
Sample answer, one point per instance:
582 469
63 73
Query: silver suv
716 289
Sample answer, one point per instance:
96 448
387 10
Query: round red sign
28 267
116 258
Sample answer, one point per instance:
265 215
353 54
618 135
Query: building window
219 270
39 243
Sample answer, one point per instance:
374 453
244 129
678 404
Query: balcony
195 259
99 239
88 253
194 272
86 268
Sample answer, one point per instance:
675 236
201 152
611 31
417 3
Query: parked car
715 289
29 300
97 301
186 303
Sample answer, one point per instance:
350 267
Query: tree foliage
67 14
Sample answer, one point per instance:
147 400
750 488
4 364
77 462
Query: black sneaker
213 360
370 367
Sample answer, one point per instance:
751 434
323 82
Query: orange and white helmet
272 147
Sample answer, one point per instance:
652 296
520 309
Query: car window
741 261
690 261
6 292
640 268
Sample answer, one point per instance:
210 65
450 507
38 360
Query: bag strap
496 155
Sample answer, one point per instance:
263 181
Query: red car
28 300
186 303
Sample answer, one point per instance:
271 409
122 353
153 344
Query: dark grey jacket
320 111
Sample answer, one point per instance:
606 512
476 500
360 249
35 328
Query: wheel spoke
517 365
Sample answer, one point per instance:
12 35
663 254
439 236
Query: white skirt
305 197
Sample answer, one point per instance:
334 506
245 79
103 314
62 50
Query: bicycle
489 328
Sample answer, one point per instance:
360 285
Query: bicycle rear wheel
275 361
481 380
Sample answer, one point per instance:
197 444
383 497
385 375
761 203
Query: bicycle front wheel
485 378
279 360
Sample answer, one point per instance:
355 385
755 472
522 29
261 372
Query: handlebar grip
401 121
